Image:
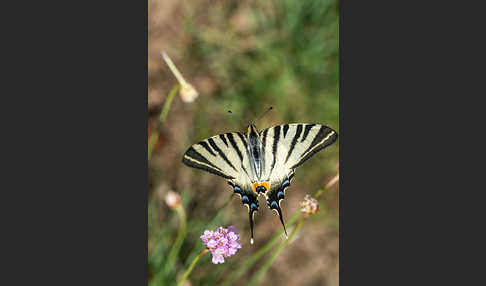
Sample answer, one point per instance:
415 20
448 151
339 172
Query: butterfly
260 163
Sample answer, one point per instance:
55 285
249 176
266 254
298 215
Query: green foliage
285 56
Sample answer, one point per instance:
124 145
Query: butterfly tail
273 199
251 225
250 200
282 221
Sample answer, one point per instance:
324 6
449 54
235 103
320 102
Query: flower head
223 242
172 199
188 93
309 205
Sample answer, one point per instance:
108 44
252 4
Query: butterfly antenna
263 114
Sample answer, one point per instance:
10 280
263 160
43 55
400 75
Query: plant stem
168 102
174 69
189 270
213 221
269 245
272 258
170 265
163 115
331 183
261 252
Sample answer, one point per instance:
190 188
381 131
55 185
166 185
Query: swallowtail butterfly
260 163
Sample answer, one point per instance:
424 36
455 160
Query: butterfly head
252 130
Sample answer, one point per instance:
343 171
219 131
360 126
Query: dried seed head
188 93
309 205
173 200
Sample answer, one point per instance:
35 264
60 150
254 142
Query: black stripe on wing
285 129
325 137
194 159
220 153
206 146
234 145
263 135
294 141
307 129
243 139
232 141
221 136
276 138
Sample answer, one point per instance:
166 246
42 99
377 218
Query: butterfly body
260 163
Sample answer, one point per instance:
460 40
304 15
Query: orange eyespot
266 185
254 186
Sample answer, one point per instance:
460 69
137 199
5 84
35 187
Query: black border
405 78
80 147
80 105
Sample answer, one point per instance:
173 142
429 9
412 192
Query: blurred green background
243 56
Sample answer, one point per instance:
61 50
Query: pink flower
223 242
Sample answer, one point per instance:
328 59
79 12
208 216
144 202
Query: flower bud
173 200
188 93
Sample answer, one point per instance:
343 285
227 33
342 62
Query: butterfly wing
286 147
226 155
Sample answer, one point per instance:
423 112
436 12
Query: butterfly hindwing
286 147
249 199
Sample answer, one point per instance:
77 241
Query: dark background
75 199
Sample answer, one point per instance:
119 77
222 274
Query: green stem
261 252
269 245
189 270
170 265
331 183
258 276
163 115
168 102
174 69
210 224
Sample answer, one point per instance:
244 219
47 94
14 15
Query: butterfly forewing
290 145
224 155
